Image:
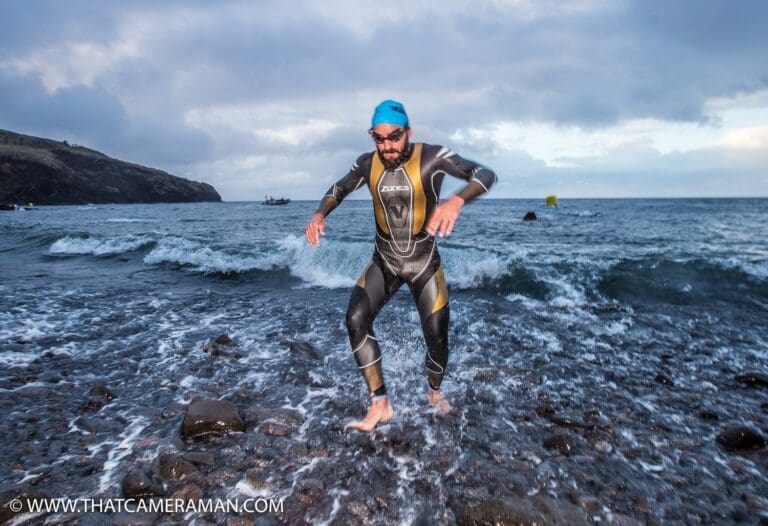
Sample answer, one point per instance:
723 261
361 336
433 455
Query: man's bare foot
380 411
438 401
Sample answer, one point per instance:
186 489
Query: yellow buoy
552 200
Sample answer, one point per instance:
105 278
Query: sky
582 98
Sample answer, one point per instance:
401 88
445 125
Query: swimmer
404 179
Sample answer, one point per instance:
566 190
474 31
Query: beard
403 155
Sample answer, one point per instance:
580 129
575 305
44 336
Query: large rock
217 346
206 417
304 351
753 379
519 510
49 172
740 438
138 484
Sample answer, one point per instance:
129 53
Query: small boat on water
13 208
269 200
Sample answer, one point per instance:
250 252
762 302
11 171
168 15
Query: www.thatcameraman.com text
170 506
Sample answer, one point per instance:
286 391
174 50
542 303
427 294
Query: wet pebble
298 450
207 417
199 458
561 442
709 414
125 518
566 421
50 377
617 519
310 485
138 483
188 492
545 410
523 510
91 406
595 418
304 351
664 379
174 469
753 379
739 438
103 392
223 477
602 446
218 346
590 505
360 511
257 477
273 429
288 418
87 424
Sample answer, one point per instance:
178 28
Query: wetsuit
403 200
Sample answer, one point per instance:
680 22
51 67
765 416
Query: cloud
205 89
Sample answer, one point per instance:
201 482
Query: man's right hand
315 229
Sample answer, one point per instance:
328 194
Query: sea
599 354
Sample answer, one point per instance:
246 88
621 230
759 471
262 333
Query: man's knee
358 312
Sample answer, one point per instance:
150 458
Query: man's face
391 148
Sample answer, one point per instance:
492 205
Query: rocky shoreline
247 444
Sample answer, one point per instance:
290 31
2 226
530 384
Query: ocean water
614 328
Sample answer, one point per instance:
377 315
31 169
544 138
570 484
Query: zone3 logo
392 188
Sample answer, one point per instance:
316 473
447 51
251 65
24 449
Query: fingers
315 228
442 222
311 235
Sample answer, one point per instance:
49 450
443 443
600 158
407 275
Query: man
404 180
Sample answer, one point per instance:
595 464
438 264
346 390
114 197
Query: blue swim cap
389 112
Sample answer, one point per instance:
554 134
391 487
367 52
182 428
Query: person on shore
404 179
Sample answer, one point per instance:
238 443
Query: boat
269 200
10 207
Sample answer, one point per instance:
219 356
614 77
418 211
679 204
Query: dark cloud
93 117
452 66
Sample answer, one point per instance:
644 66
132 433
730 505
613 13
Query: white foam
757 269
129 439
335 264
98 247
468 267
548 339
128 220
33 331
200 257
527 302
249 490
334 508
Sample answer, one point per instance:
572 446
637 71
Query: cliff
47 172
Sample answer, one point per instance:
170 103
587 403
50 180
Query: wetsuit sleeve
480 178
354 179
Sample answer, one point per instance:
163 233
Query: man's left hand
444 217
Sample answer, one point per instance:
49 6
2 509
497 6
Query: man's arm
480 179
335 195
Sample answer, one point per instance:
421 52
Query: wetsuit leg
374 288
431 294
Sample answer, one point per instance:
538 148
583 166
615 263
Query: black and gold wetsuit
403 200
